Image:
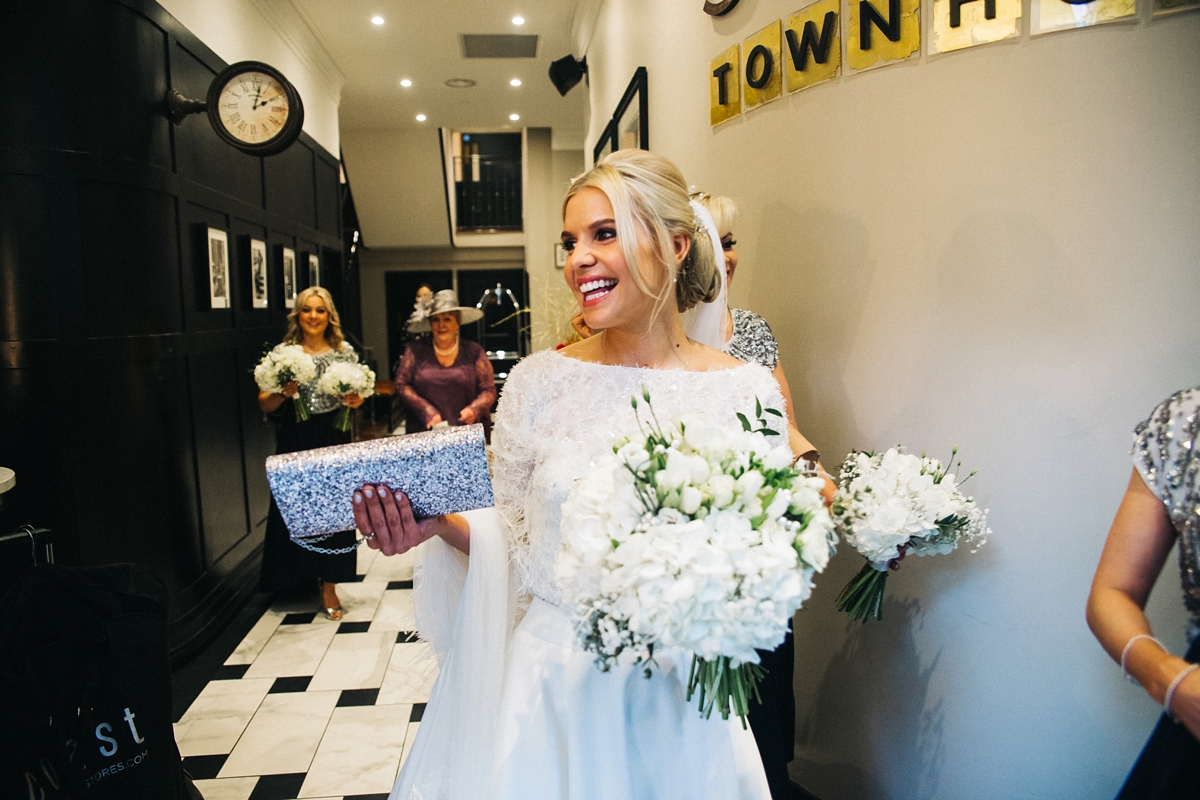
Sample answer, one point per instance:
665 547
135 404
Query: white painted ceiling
419 40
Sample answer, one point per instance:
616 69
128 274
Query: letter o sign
763 56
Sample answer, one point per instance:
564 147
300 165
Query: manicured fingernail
399 495
367 492
357 497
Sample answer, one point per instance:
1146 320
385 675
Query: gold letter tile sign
1058 15
724 87
881 31
812 48
761 67
966 23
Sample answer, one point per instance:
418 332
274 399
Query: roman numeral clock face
254 108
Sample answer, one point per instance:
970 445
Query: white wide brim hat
445 302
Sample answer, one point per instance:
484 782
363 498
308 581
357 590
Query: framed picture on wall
314 270
605 144
218 268
258 274
289 277
629 127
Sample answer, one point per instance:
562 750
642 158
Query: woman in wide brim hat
444 302
445 381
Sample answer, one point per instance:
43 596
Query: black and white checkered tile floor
309 708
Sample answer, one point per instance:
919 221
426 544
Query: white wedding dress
518 713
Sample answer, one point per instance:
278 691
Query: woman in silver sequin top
748 337
1161 506
313 323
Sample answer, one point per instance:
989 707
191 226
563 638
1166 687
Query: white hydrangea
282 365
696 536
342 378
888 500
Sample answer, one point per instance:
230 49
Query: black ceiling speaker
566 72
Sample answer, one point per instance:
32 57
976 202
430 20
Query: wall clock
250 105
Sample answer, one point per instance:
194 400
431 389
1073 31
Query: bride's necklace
616 362
447 352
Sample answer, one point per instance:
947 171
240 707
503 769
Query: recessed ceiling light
377 20
406 83
518 20
515 82
460 83
420 117
514 117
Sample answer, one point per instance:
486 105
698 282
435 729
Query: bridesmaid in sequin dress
1161 506
313 323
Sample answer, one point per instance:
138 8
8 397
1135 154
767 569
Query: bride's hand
386 519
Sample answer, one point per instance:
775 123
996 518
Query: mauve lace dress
428 388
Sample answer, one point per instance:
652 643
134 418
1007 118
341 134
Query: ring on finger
368 536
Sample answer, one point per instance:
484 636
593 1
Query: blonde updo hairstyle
650 206
333 331
722 209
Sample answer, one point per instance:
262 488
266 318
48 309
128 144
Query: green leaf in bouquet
745 422
774 411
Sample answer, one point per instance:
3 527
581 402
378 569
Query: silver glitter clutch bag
442 472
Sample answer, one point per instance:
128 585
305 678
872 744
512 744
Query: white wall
396 178
996 249
273 32
549 175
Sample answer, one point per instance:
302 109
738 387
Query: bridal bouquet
282 365
697 536
342 378
894 502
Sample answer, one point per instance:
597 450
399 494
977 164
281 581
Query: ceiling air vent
499 45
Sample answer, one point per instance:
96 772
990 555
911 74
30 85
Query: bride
517 711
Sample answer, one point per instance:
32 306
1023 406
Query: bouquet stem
863 596
301 409
724 686
342 421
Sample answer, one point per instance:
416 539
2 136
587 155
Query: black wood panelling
288 178
127 406
28 307
216 410
130 261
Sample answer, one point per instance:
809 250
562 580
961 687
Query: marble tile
360 752
292 650
227 788
283 735
360 600
354 661
409 738
391 568
410 675
218 715
395 612
257 638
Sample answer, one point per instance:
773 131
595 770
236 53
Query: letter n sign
881 31
725 87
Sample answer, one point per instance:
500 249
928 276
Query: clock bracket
178 107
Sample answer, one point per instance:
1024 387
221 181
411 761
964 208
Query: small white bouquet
697 536
342 378
894 502
284 364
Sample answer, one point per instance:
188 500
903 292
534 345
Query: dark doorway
501 327
401 293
